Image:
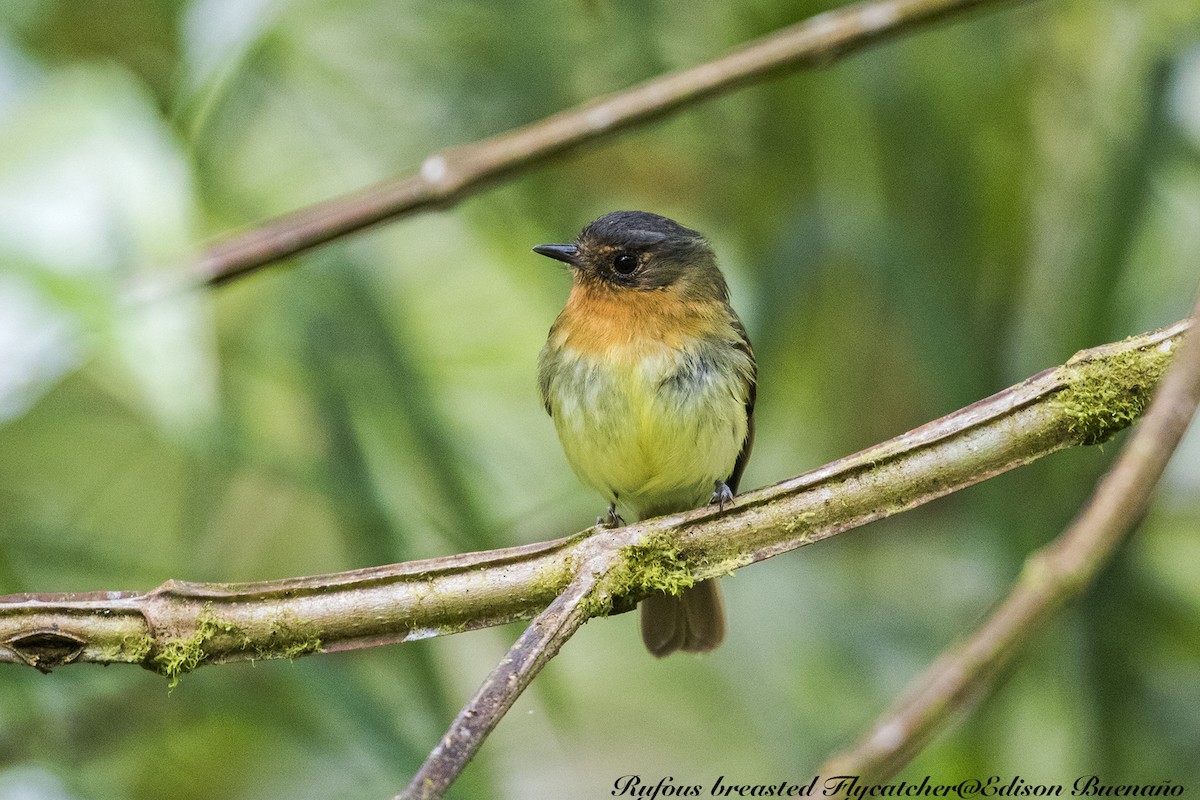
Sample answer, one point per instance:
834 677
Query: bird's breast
653 420
631 324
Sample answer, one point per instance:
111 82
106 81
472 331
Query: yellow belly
654 431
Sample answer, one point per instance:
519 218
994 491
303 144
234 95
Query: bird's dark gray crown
639 230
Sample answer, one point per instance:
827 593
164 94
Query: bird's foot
722 495
611 519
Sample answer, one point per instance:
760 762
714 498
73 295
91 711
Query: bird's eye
625 263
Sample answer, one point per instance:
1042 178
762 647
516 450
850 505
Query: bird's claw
722 495
611 519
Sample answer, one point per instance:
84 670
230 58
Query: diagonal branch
1052 577
180 626
540 642
451 174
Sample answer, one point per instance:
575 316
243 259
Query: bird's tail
693 622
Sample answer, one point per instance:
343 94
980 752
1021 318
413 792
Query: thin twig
1052 577
183 625
451 174
603 572
540 642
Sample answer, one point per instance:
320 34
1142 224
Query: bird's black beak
567 253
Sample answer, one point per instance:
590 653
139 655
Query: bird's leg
722 495
611 519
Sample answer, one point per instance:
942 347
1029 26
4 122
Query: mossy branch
180 626
450 175
1053 576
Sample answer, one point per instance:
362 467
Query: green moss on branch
176 657
1106 394
655 565
287 637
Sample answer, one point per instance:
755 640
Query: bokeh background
904 232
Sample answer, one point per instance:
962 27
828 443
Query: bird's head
639 251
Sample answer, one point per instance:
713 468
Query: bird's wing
739 466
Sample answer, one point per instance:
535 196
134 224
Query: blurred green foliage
905 232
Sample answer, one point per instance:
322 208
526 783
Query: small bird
650 379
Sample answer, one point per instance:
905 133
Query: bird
650 379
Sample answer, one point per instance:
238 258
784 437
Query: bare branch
540 642
182 625
451 174
1052 577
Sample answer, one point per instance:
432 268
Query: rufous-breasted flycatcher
650 379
